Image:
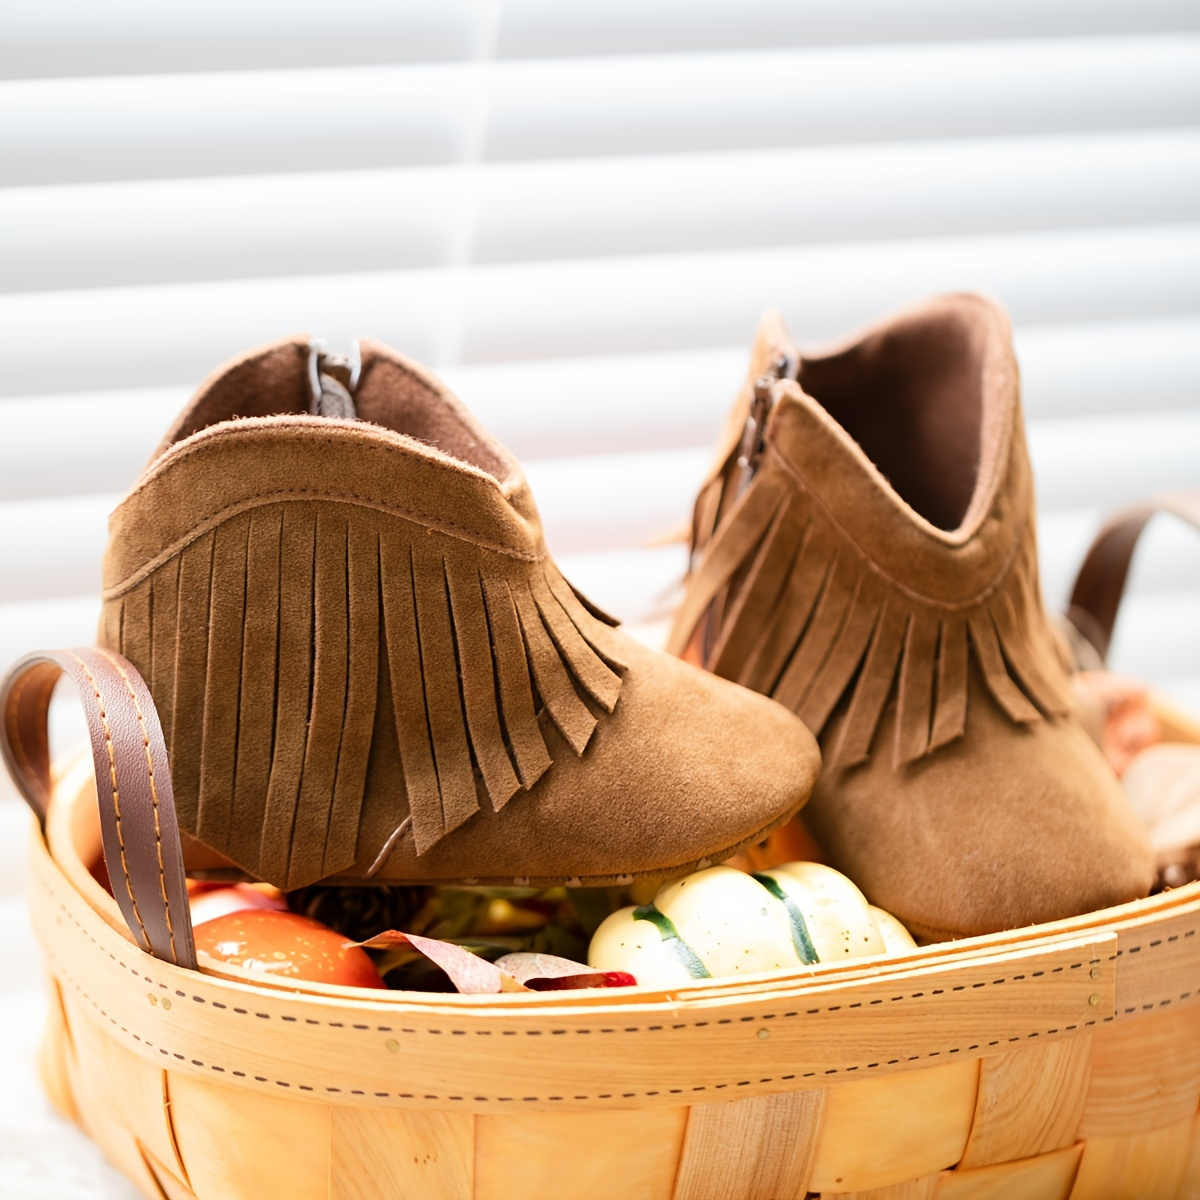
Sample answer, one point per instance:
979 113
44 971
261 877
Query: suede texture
368 667
1010 825
871 563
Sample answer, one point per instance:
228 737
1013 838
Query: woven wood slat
1145 1074
1140 1166
168 1185
1100 1102
1047 1176
924 1188
54 1050
1190 1186
1030 1101
762 1148
238 1144
546 1156
386 1152
895 1128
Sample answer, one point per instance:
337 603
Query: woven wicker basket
1056 1061
1060 1060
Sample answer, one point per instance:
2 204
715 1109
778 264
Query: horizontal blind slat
607 502
98 441
256 122
133 337
548 28
835 194
1155 640
62 38
1154 636
57 38
697 300
167 231
601 180
634 581
249 122
585 107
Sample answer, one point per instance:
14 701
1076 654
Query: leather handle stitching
162 876
116 795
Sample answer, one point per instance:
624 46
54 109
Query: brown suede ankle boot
864 551
368 666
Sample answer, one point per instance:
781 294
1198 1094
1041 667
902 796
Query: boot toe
701 766
687 770
1017 827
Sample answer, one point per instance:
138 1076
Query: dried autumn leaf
548 972
469 973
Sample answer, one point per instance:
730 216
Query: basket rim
944 1008
75 780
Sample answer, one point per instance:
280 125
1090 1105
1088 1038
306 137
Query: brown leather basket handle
1100 583
133 784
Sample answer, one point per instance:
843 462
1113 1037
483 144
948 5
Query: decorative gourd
722 921
896 939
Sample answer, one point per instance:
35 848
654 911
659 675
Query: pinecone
359 913
1176 868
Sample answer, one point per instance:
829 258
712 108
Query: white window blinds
576 212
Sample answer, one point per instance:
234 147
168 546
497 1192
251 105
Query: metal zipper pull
332 379
752 445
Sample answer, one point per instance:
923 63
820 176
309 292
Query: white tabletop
42 1156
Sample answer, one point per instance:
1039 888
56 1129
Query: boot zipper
333 378
749 455
752 445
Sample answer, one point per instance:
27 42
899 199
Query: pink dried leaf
548 972
469 973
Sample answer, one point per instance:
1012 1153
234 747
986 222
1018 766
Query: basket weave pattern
1059 1061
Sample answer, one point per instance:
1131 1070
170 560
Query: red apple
287 944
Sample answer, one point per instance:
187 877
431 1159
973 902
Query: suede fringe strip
781 602
285 645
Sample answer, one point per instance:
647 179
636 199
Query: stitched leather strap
1100 583
133 784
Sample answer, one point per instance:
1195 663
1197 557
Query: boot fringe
820 629
287 644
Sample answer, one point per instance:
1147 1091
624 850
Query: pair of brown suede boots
369 669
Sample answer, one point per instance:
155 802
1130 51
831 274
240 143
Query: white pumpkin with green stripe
896 939
724 922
